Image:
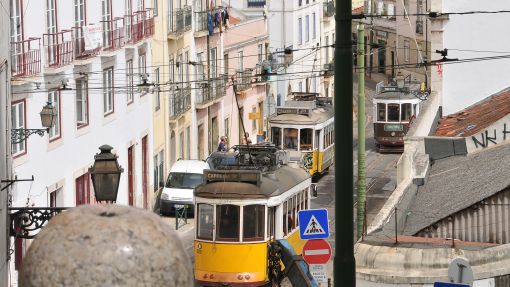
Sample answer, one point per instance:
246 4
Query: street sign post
317 251
313 224
444 284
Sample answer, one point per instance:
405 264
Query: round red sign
317 251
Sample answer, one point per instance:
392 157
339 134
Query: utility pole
344 264
361 132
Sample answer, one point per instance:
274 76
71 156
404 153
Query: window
290 138
83 189
227 127
130 82
18 122
183 180
181 148
393 112
253 222
300 2
159 180
406 50
314 28
300 30
142 67
284 219
205 221
300 86
82 103
106 10
225 62
254 121
307 23
158 96
381 112
240 60
199 67
79 13
276 136
16 23
171 65
305 139
186 66
51 17
227 222
327 49
140 5
188 141
54 98
406 112
180 73
214 63
155 6
259 49
108 91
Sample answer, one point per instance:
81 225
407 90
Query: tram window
276 136
381 112
406 112
289 216
227 222
284 219
205 221
305 139
253 222
414 109
290 138
393 112
270 225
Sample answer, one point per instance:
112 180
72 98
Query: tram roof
396 96
281 180
317 116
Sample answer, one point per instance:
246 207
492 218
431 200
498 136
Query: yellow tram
304 126
249 198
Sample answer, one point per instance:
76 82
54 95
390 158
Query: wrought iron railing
58 48
25 222
201 21
80 51
139 26
179 20
26 57
328 9
180 101
243 79
113 34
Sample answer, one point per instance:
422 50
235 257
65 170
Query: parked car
184 176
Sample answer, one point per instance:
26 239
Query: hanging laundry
210 23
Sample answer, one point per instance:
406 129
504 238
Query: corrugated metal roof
476 117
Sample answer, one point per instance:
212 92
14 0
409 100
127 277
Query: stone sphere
106 245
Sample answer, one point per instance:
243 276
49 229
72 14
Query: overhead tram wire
429 14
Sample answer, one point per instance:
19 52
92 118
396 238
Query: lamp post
48 118
105 175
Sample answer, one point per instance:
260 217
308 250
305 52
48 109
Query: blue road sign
313 224
444 284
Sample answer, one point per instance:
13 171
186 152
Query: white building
85 57
467 36
5 147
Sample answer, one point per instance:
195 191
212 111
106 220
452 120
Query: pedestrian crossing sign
313 224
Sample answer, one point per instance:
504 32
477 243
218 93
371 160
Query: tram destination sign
295 111
248 176
393 127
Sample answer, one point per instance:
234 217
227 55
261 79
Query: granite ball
106 245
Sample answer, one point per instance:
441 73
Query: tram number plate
179 205
393 127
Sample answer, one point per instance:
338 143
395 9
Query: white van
184 176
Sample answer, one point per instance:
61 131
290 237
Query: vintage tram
249 198
394 109
304 126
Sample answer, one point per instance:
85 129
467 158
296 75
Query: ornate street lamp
48 118
105 175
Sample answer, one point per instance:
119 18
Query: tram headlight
392 134
247 276
240 276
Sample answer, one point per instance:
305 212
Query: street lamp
48 118
105 175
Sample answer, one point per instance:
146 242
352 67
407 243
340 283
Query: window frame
307 27
130 91
314 26
55 94
142 69
257 237
407 47
23 104
218 225
80 13
83 181
285 132
158 94
300 31
213 222
107 94
84 99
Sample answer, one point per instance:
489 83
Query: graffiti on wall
490 137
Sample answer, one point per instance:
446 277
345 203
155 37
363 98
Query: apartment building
88 59
327 81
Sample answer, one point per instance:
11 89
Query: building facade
88 59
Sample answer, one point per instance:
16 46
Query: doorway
131 172
214 134
144 171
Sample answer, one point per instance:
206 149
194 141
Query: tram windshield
290 138
393 112
381 112
227 222
253 222
406 112
276 136
305 139
205 221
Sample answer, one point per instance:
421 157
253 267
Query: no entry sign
317 251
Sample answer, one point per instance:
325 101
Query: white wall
467 83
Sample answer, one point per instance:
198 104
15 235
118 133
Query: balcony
205 96
419 26
26 58
220 86
180 102
281 58
243 79
179 22
329 69
328 9
80 49
201 28
139 26
256 3
58 49
262 71
113 34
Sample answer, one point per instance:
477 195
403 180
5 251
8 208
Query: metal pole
361 132
344 264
